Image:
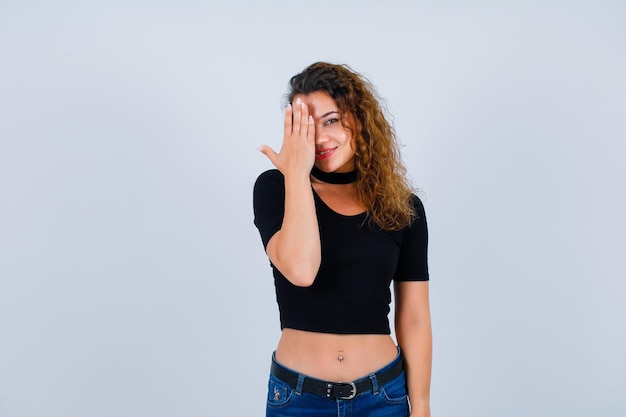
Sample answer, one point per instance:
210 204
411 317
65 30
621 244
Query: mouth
324 153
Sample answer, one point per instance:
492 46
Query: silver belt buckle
352 394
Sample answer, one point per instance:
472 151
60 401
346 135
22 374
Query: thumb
267 151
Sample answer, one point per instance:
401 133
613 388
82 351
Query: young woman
339 223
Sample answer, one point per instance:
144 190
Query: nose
320 136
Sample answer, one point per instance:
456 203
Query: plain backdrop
132 279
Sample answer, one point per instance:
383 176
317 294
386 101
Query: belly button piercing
340 357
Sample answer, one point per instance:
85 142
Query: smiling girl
340 223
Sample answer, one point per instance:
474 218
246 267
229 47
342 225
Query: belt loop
300 383
374 383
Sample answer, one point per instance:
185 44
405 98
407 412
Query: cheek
351 138
346 135
340 133
353 145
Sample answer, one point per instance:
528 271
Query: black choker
334 177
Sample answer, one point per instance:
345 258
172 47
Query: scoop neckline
317 196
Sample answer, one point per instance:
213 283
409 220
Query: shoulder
269 187
419 213
271 177
417 204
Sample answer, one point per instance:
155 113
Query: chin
329 167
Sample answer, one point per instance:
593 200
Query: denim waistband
305 383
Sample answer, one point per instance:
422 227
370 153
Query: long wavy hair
381 183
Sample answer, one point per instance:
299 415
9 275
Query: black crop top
350 294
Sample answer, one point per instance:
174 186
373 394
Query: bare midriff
334 357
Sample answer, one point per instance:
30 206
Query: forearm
414 335
415 340
297 247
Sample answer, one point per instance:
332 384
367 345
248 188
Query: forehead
319 102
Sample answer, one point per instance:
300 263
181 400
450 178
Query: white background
132 279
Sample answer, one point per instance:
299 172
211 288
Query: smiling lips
324 153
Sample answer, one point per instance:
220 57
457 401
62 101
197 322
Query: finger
304 120
310 135
297 113
288 119
269 152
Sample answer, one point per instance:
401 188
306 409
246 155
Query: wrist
297 178
420 407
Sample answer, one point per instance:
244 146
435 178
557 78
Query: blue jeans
388 400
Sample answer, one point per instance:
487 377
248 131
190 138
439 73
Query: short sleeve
269 204
413 259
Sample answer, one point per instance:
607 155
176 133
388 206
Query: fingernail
260 148
298 100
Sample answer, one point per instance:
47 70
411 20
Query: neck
334 177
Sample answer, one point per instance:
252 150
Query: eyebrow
328 114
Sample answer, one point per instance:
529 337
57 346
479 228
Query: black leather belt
336 390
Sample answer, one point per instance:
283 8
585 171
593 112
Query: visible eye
331 121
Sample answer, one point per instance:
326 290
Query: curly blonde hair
381 177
